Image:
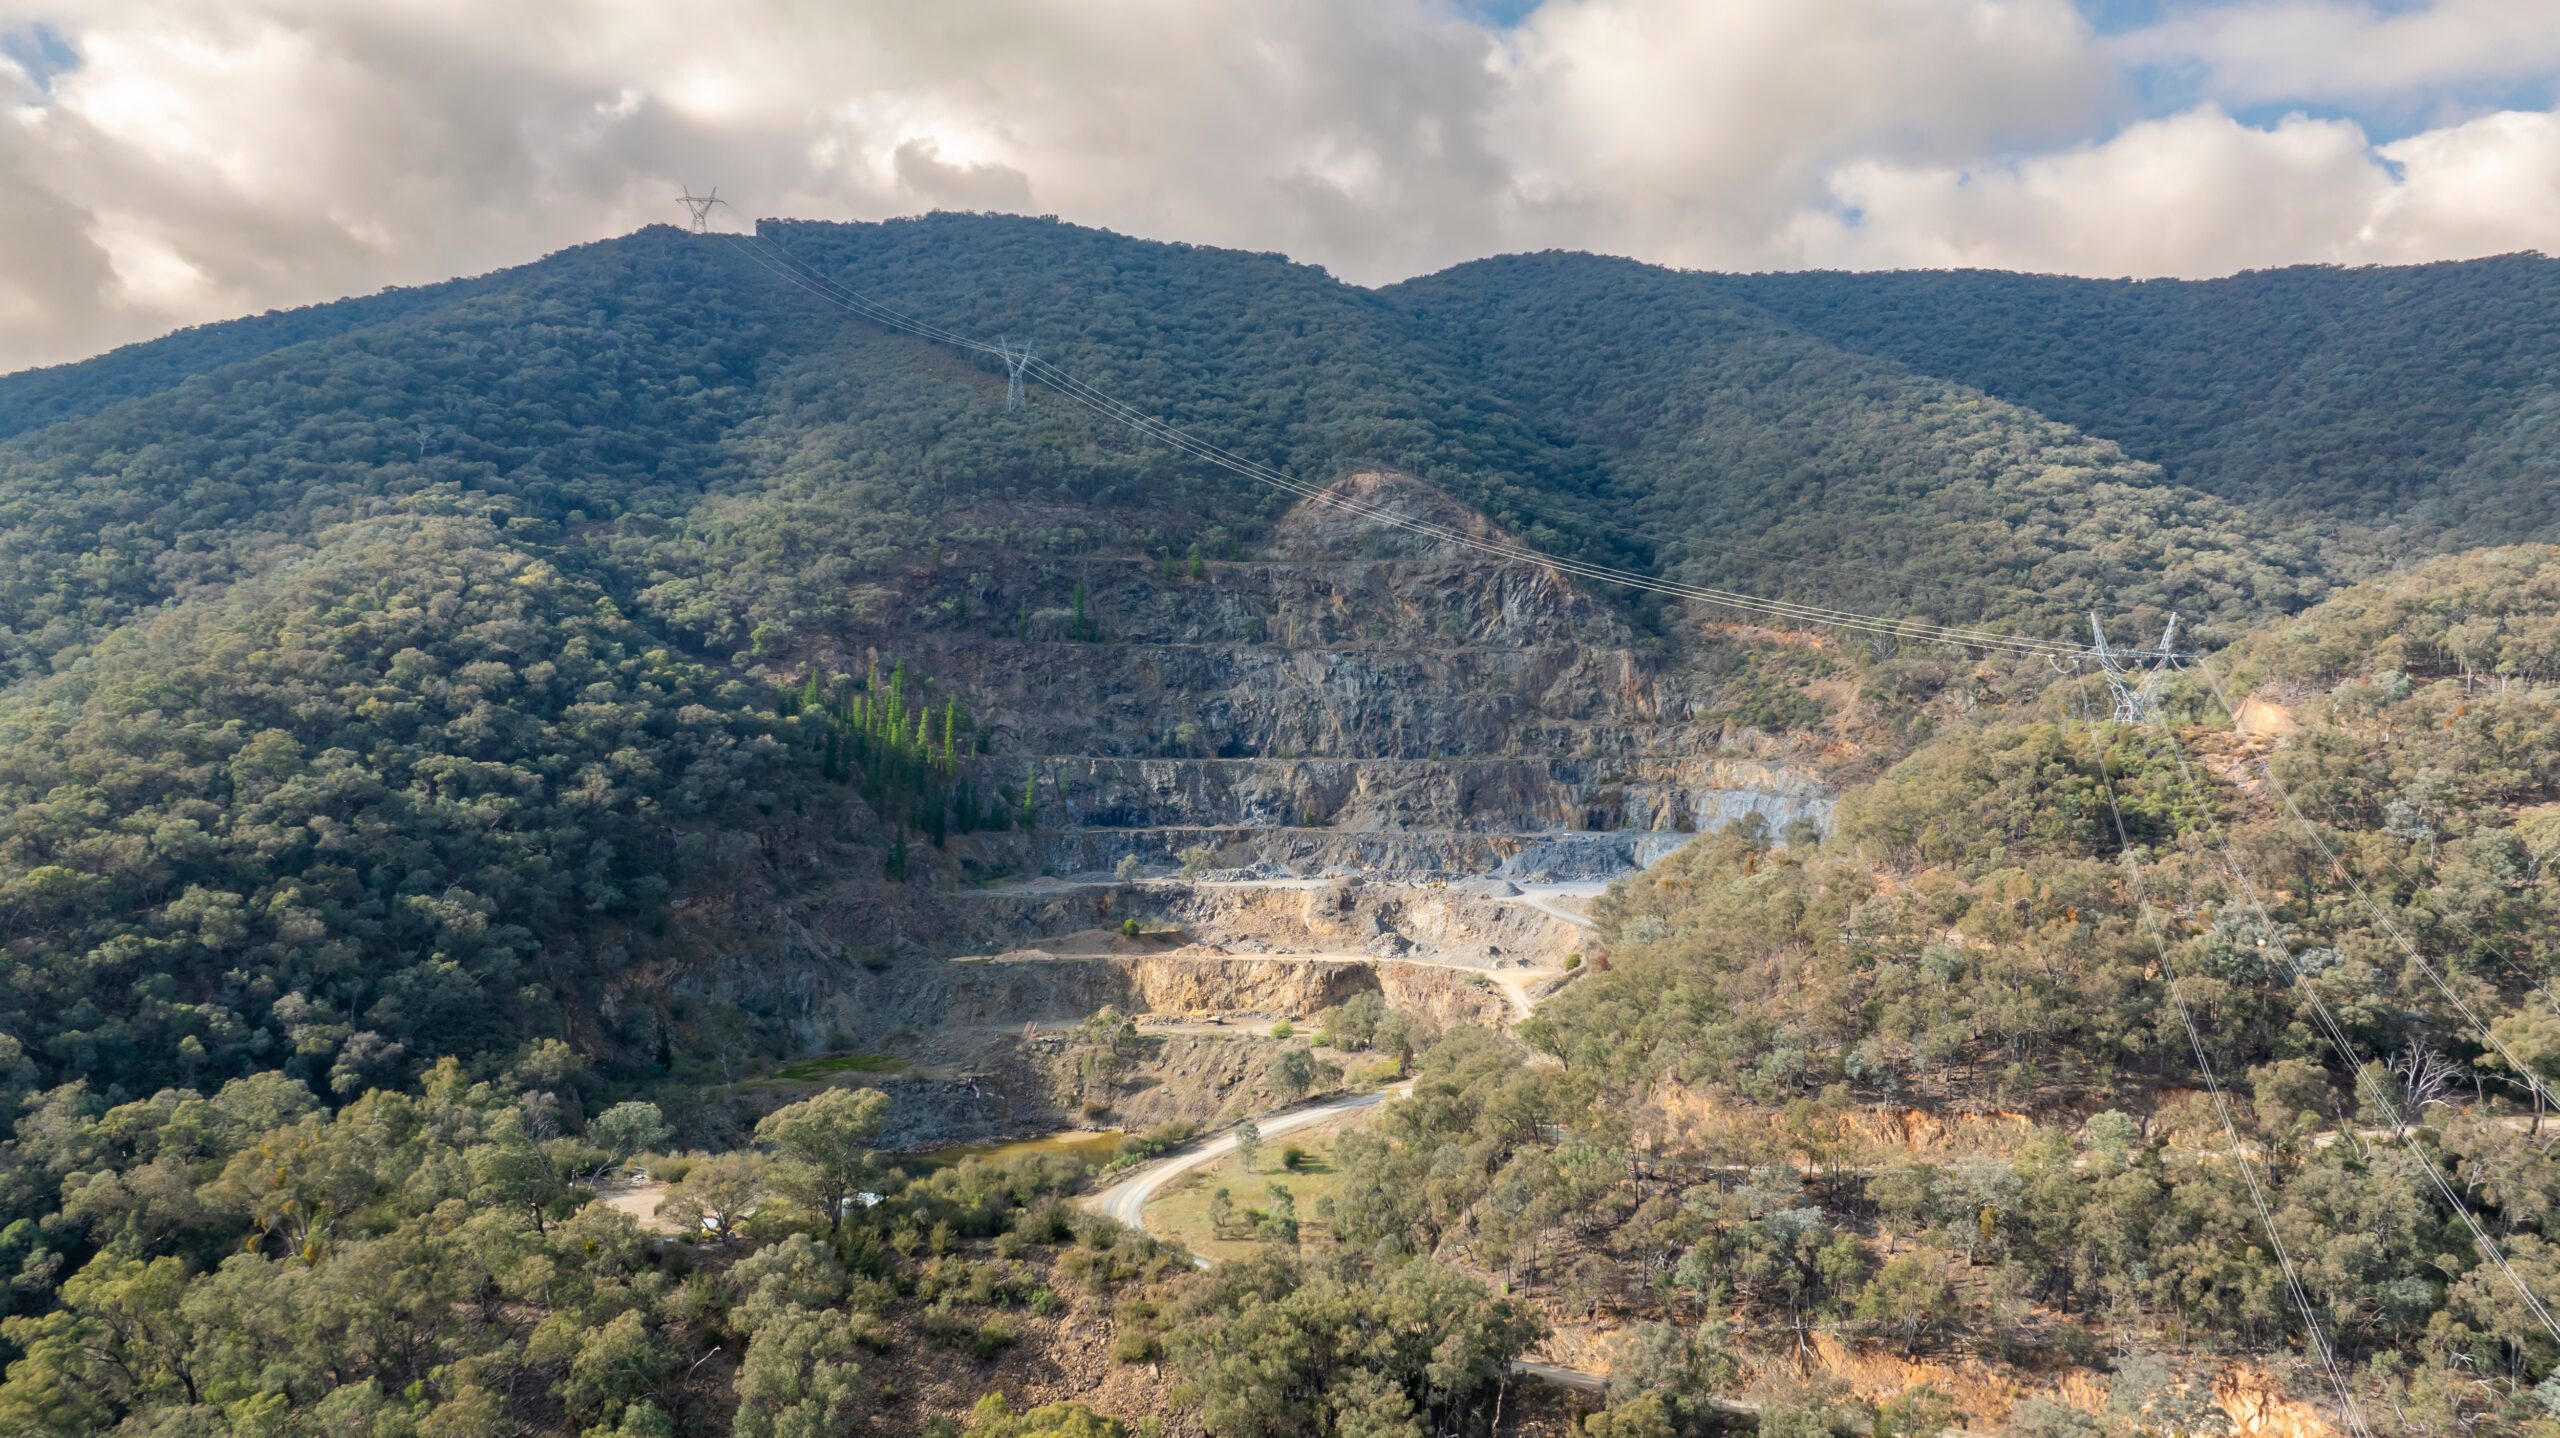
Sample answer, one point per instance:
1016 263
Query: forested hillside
425 721
2416 398
465 529
1760 459
1707 1154
1980 935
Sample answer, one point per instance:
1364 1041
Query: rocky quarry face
1367 702
1365 762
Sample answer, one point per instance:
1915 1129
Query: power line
2213 1085
2344 1044
792 271
2454 917
2356 886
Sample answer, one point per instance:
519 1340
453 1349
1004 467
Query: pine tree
1030 796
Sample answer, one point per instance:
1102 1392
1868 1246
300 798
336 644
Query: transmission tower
700 205
2134 674
1017 358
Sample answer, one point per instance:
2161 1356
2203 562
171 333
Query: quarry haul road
1126 1201
1542 897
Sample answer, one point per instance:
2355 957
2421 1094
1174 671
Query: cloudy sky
170 163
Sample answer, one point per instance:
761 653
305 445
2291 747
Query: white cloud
2489 186
201 161
2190 195
285 150
1694 132
2295 51
2200 194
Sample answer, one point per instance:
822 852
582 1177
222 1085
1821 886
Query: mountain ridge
2272 424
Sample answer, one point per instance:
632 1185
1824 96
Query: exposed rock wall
1010 992
1350 700
1381 920
1354 697
1506 795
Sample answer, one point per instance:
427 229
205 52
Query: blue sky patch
40 52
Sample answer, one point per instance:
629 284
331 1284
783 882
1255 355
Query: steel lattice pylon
700 206
2134 674
1017 358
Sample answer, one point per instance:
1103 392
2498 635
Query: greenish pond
812 1070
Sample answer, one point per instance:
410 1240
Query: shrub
1920 1411
2044 1418
1645 1417
947 1325
1154 1143
1049 1221
1293 1073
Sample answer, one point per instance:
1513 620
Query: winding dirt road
1126 1200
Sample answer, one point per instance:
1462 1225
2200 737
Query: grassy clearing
1180 1211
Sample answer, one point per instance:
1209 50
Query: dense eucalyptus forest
411 704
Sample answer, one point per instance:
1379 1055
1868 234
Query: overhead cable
2345 1046
2382 917
2302 1303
